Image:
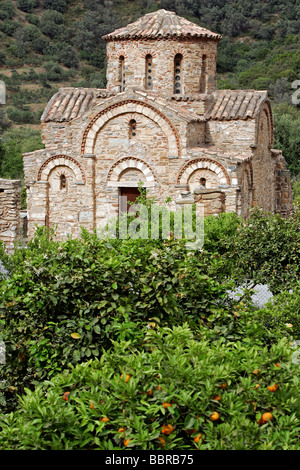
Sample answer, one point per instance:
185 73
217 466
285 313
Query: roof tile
235 104
161 24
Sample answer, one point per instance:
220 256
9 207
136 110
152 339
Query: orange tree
220 395
62 301
265 249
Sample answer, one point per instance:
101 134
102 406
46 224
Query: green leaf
75 335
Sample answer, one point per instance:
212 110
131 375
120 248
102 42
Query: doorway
131 194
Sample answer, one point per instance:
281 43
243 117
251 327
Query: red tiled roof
161 24
235 104
226 105
70 103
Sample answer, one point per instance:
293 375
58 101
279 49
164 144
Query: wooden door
131 194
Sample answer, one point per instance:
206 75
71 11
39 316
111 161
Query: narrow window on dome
203 182
132 128
203 75
122 73
63 182
148 72
178 74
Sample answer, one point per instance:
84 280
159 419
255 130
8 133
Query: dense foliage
266 249
62 300
77 315
177 390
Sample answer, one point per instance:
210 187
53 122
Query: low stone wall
10 206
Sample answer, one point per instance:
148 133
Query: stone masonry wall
231 135
162 71
10 206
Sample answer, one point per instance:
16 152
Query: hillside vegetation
46 44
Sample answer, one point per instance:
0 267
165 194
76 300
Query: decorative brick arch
199 164
248 173
130 162
124 107
61 160
148 52
265 111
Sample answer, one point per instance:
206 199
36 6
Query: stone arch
148 52
248 173
61 160
265 112
125 107
125 163
202 163
246 190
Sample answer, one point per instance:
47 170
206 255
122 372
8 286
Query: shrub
162 396
283 312
21 116
265 250
84 286
27 5
51 23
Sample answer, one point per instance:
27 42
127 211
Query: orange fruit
256 371
256 386
223 386
127 377
273 388
166 405
92 406
215 416
66 396
104 419
150 392
167 429
197 438
126 442
191 431
265 418
162 441
121 429
217 397
277 365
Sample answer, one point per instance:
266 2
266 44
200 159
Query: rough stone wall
48 203
213 201
235 136
10 206
263 165
162 71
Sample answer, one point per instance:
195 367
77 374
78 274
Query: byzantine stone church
162 121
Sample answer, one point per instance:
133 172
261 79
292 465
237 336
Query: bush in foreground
179 391
62 301
283 313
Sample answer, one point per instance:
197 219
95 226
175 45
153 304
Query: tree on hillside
2 154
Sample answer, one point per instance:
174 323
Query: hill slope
46 44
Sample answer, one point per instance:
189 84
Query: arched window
178 73
122 73
132 128
203 182
63 182
203 75
148 72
